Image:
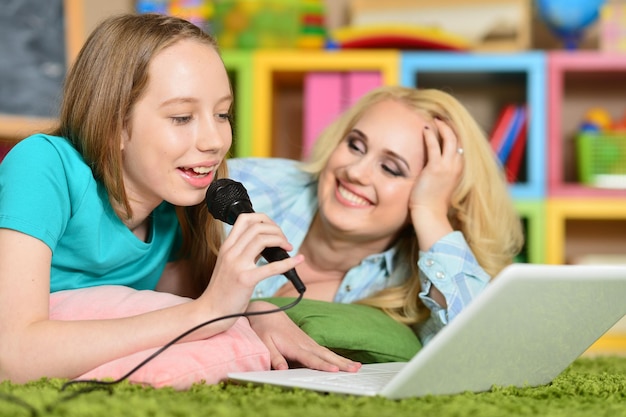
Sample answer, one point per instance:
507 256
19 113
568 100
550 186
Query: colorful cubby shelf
564 219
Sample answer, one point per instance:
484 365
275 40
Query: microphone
226 199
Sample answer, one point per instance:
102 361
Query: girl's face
364 188
179 130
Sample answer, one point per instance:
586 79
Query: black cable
100 383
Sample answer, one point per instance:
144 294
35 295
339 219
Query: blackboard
32 57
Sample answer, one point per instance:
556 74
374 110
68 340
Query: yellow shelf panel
591 208
386 61
559 210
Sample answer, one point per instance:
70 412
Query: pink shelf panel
572 70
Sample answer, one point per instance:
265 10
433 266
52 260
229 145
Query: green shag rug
589 387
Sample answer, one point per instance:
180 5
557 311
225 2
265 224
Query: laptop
531 322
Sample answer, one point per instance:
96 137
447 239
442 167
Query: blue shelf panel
531 65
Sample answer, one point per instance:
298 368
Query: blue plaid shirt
289 196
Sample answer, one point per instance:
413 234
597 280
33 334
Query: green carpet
589 387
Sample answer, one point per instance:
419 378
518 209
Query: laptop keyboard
373 381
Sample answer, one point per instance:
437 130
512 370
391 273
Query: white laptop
530 324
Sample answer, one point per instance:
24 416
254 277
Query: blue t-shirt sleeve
34 194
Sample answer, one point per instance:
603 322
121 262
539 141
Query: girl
144 129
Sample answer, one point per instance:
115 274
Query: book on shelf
322 103
508 138
501 127
512 135
327 95
514 163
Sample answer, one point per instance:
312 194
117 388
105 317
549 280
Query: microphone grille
221 195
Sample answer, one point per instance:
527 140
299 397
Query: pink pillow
179 366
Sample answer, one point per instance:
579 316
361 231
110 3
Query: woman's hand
432 192
288 343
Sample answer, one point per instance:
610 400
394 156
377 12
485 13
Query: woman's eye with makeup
355 144
392 170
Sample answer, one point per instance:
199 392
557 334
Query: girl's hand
288 343
431 195
236 272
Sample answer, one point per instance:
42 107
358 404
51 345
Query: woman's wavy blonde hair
108 77
481 207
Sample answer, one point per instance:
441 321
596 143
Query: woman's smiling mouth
351 198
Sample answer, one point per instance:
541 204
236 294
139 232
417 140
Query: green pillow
361 333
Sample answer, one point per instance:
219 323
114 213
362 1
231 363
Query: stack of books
508 139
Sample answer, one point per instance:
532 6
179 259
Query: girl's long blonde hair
108 77
481 207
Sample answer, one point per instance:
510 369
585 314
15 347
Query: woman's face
179 130
364 188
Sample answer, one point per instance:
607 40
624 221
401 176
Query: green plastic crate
601 159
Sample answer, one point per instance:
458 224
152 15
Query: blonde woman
401 206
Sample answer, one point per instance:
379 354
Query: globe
569 18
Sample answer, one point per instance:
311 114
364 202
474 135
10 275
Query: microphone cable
94 384
176 339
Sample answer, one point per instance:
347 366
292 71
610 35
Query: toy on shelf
487 25
251 24
596 119
152 6
398 36
198 12
601 150
568 19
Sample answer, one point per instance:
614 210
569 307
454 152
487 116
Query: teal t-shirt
48 191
